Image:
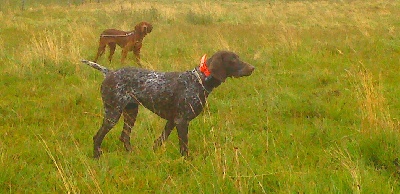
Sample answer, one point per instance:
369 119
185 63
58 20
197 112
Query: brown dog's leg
124 54
112 46
137 56
164 136
130 114
100 50
183 137
136 52
111 118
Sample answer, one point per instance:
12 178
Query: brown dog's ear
138 27
149 28
217 67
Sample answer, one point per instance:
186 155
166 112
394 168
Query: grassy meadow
320 114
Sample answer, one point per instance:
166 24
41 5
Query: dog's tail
103 69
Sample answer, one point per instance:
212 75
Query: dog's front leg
137 56
124 53
167 130
136 52
182 128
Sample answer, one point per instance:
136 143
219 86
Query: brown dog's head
143 28
225 64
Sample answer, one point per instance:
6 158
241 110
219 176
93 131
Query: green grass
319 114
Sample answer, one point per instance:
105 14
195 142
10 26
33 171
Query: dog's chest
193 98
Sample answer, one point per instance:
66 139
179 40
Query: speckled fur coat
177 97
171 95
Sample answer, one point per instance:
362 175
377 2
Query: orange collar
203 66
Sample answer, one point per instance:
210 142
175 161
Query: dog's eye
234 59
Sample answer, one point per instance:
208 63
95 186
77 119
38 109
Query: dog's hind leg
111 117
130 112
100 50
112 46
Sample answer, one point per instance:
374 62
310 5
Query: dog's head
225 64
143 28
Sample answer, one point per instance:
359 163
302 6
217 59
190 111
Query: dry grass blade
69 187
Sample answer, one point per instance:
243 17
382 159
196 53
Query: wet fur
177 97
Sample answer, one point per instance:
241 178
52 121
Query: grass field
320 114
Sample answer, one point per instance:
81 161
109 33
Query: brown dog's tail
103 69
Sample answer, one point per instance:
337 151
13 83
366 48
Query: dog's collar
127 34
201 81
130 33
207 83
203 66
206 80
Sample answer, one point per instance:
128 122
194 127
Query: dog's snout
247 70
251 68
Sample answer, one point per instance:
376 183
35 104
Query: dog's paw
97 153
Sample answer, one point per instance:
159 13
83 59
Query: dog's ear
149 27
217 67
138 27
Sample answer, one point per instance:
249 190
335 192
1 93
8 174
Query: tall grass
319 114
375 113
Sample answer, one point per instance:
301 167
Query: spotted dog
177 97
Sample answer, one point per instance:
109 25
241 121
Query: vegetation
319 114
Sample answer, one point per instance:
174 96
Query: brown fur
128 41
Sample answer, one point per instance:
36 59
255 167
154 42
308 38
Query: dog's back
114 36
161 92
112 32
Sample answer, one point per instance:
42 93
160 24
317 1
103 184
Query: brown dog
128 41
